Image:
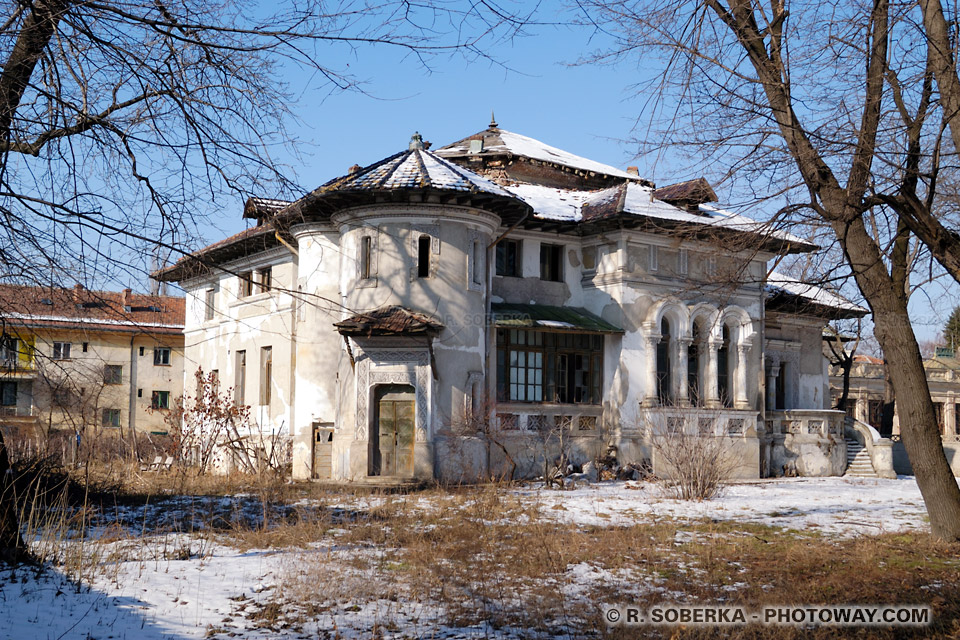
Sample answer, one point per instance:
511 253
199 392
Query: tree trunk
893 331
12 548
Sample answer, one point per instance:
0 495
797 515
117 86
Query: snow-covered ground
187 585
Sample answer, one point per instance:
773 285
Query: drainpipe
132 408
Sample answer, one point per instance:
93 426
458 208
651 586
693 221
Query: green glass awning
547 318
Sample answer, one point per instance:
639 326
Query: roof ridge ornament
493 120
416 141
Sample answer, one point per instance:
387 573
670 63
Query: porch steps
858 461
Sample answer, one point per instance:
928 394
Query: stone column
740 390
682 385
650 396
711 392
950 416
773 372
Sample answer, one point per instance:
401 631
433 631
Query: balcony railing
15 365
733 423
578 419
16 412
822 423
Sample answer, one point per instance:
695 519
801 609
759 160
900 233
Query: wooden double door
392 432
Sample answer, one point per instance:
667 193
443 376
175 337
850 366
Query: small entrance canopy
389 321
548 318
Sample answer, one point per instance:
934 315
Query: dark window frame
509 258
110 418
551 262
423 255
159 400
161 356
113 374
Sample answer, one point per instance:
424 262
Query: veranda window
541 366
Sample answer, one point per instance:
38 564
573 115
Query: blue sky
588 110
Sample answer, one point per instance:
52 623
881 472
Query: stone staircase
858 460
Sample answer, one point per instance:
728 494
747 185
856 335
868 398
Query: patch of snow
819 295
520 145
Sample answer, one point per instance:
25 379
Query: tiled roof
413 169
54 307
391 320
247 242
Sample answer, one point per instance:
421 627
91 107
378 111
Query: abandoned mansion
451 313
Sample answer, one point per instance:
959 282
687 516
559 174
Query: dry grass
487 559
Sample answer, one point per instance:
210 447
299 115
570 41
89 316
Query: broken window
246 284
161 356
210 304
266 374
366 257
540 366
265 279
61 350
240 377
160 400
111 418
551 262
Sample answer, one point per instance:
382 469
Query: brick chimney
78 293
634 171
126 299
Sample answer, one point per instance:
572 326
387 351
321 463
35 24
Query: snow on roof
777 281
521 145
498 141
413 169
549 203
567 205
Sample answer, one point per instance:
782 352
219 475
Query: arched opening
664 377
724 373
694 368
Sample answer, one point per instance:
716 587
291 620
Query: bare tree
836 109
117 119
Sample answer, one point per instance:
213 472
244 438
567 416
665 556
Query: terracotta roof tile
54 307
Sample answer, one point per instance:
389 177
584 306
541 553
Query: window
8 394
508 258
664 366
723 369
113 374
139 393
265 279
9 349
654 258
111 418
266 375
423 256
210 302
538 366
366 257
246 284
85 346
161 356
61 350
141 350
160 400
551 262
240 377
780 399
683 262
